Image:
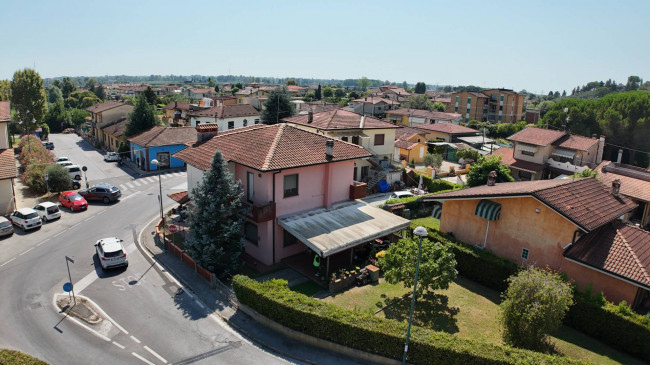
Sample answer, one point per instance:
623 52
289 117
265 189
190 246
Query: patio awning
345 225
180 197
563 153
437 211
488 209
348 134
526 148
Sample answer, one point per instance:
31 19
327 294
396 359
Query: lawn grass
308 288
16 357
427 222
468 310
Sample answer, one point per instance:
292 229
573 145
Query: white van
74 171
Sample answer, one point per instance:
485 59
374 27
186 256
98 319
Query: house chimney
620 155
329 152
310 116
492 178
601 149
616 187
206 131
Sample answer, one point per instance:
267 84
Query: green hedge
627 333
479 265
11 357
366 332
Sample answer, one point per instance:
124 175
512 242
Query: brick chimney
601 148
492 178
329 153
616 187
310 116
206 131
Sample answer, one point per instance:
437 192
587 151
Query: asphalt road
151 324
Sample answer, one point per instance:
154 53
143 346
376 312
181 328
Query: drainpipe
486 234
274 219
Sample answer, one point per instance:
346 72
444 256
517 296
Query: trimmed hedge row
365 332
605 323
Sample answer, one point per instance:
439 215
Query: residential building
176 113
376 136
298 186
576 226
160 143
221 100
445 132
545 153
112 134
104 114
410 145
8 171
493 105
226 116
395 93
297 90
373 106
249 94
200 92
415 117
635 184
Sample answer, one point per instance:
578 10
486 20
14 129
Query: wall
542 154
433 136
382 150
614 289
223 123
112 115
194 177
4 136
173 161
544 234
7 197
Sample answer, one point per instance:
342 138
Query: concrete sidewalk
219 304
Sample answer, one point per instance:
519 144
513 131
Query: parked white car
26 218
6 228
74 171
110 253
112 157
65 163
401 194
48 211
61 159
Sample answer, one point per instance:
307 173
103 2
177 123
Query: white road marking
151 179
58 234
42 242
7 262
155 354
130 196
75 225
118 345
122 187
129 185
89 218
26 251
101 212
142 359
107 316
135 339
92 276
164 176
136 183
76 321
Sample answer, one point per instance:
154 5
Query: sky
527 44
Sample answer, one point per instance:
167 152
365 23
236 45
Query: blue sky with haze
536 45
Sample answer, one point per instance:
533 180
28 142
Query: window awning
526 148
437 211
563 153
336 134
345 225
488 209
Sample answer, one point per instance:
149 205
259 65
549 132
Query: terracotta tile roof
527 166
207 127
425 114
295 88
5 111
449 128
405 144
339 119
375 101
7 164
98 108
116 129
177 105
269 148
575 142
408 132
165 136
226 111
586 202
536 136
634 184
397 90
202 90
180 197
507 155
616 248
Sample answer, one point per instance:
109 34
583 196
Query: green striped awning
437 211
488 210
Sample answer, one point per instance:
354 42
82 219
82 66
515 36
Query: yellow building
415 117
410 144
493 105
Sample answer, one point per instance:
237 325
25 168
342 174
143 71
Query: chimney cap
329 152
616 187
492 178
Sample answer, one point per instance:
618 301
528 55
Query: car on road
48 211
61 159
103 192
74 171
49 145
110 253
65 163
112 157
6 228
73 201
401 194
26 218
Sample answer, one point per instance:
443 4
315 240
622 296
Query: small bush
34 158
58 178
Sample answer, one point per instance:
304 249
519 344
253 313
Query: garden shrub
274 300
34 158
58 178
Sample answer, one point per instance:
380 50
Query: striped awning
488 209
563 153
437 211
526 148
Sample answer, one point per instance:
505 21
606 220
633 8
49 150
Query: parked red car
73 201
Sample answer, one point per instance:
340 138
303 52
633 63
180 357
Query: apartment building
494 105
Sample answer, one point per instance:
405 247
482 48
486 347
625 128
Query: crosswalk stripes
136 182
150 179
129 185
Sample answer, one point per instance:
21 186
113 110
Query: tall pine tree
141 118
215 222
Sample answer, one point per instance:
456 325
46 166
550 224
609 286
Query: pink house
298 185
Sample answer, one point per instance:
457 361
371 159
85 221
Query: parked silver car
6 229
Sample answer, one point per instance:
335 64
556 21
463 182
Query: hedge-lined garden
366 332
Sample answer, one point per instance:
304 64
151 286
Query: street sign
172 228
67 287
46 176
84 168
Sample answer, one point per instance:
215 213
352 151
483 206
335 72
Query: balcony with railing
260 212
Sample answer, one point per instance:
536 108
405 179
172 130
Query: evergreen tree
141 118
563 93
28 98
5 90
215 222
67 87
277 106
420 88
99 91
319 94
216 88
150 96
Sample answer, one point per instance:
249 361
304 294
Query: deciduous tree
278 105
438 106
420 102
420 88
5 90
363 83
67 87
328 92
437 264
58 178
478 172
54 95
291 82
28 98
142 117
215 222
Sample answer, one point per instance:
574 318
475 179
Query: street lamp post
422 232
162 216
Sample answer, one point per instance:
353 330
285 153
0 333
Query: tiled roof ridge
629 249
274 146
